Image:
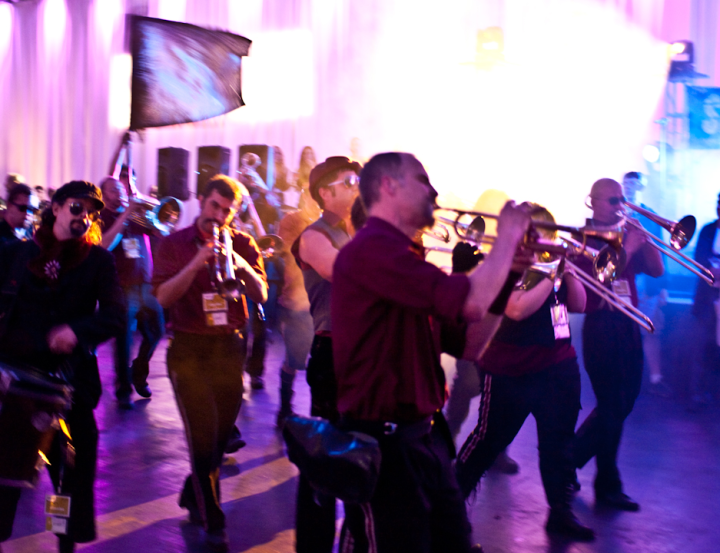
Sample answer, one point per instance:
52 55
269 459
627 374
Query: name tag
560 321
215 308
621 287
57 509
131 247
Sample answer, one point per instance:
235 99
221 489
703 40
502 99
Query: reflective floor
669 461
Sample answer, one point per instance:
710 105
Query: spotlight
682 60
651 153
489 47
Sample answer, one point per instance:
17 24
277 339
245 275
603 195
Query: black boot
286 394
564 523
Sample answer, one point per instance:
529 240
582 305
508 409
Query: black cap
79 189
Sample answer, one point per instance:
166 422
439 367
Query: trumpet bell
682 232
609 263
270 244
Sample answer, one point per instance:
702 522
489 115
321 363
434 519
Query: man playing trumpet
206 356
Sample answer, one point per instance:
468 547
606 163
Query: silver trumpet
228 286
157 215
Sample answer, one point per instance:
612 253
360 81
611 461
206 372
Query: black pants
417 506
315 513
206 373
78 481
257 325
613 355
553 398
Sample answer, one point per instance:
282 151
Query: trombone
681 233
228 286
607 262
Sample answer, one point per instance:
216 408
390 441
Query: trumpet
269 245
228 286
681 233
157 215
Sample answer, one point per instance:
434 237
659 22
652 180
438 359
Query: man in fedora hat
51 287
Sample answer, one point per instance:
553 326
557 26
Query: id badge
131 247
621 287
215 308
560 322
57 509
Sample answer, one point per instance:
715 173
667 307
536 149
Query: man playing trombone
392 315
612 351
206 356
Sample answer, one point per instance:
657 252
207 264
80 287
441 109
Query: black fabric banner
182 73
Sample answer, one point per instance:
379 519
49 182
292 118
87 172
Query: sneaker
257 383
217 540
565 524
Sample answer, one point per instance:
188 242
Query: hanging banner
704 115
182 73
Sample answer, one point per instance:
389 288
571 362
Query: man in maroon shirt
206 356
393 314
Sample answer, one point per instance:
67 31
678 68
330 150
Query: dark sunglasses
24 208
615 200
78 208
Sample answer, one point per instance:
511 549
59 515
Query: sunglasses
78 208
24 208
615 200
351 181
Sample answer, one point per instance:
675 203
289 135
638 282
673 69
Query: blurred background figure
301 180
652 295
706 305
19 215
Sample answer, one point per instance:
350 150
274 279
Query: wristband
498 306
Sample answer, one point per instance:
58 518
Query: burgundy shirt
393 313
187 313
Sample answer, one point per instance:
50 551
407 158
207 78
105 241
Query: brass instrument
157 215
607 262
228 286
681 233
270 245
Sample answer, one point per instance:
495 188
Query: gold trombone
681 233
607 262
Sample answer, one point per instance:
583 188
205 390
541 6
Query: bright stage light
6 24
278 77
54 21
119 91
651 153
677 48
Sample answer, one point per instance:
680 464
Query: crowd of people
331 258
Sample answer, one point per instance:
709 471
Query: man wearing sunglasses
21 206
61 299
334 186
612 350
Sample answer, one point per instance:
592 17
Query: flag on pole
182 73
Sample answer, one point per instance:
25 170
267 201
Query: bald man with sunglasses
612 350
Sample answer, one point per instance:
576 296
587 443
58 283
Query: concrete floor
669 460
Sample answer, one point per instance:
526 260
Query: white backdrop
574 101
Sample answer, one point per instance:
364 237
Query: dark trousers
206 373
143 307
613 355
257 325
78 481
552 396
417 506
315 513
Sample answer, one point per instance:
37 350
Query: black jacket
705 294
87 297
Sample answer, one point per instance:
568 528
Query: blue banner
704 115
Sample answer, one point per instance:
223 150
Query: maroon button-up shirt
392 314
187 314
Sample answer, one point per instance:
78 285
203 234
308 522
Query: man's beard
79 228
